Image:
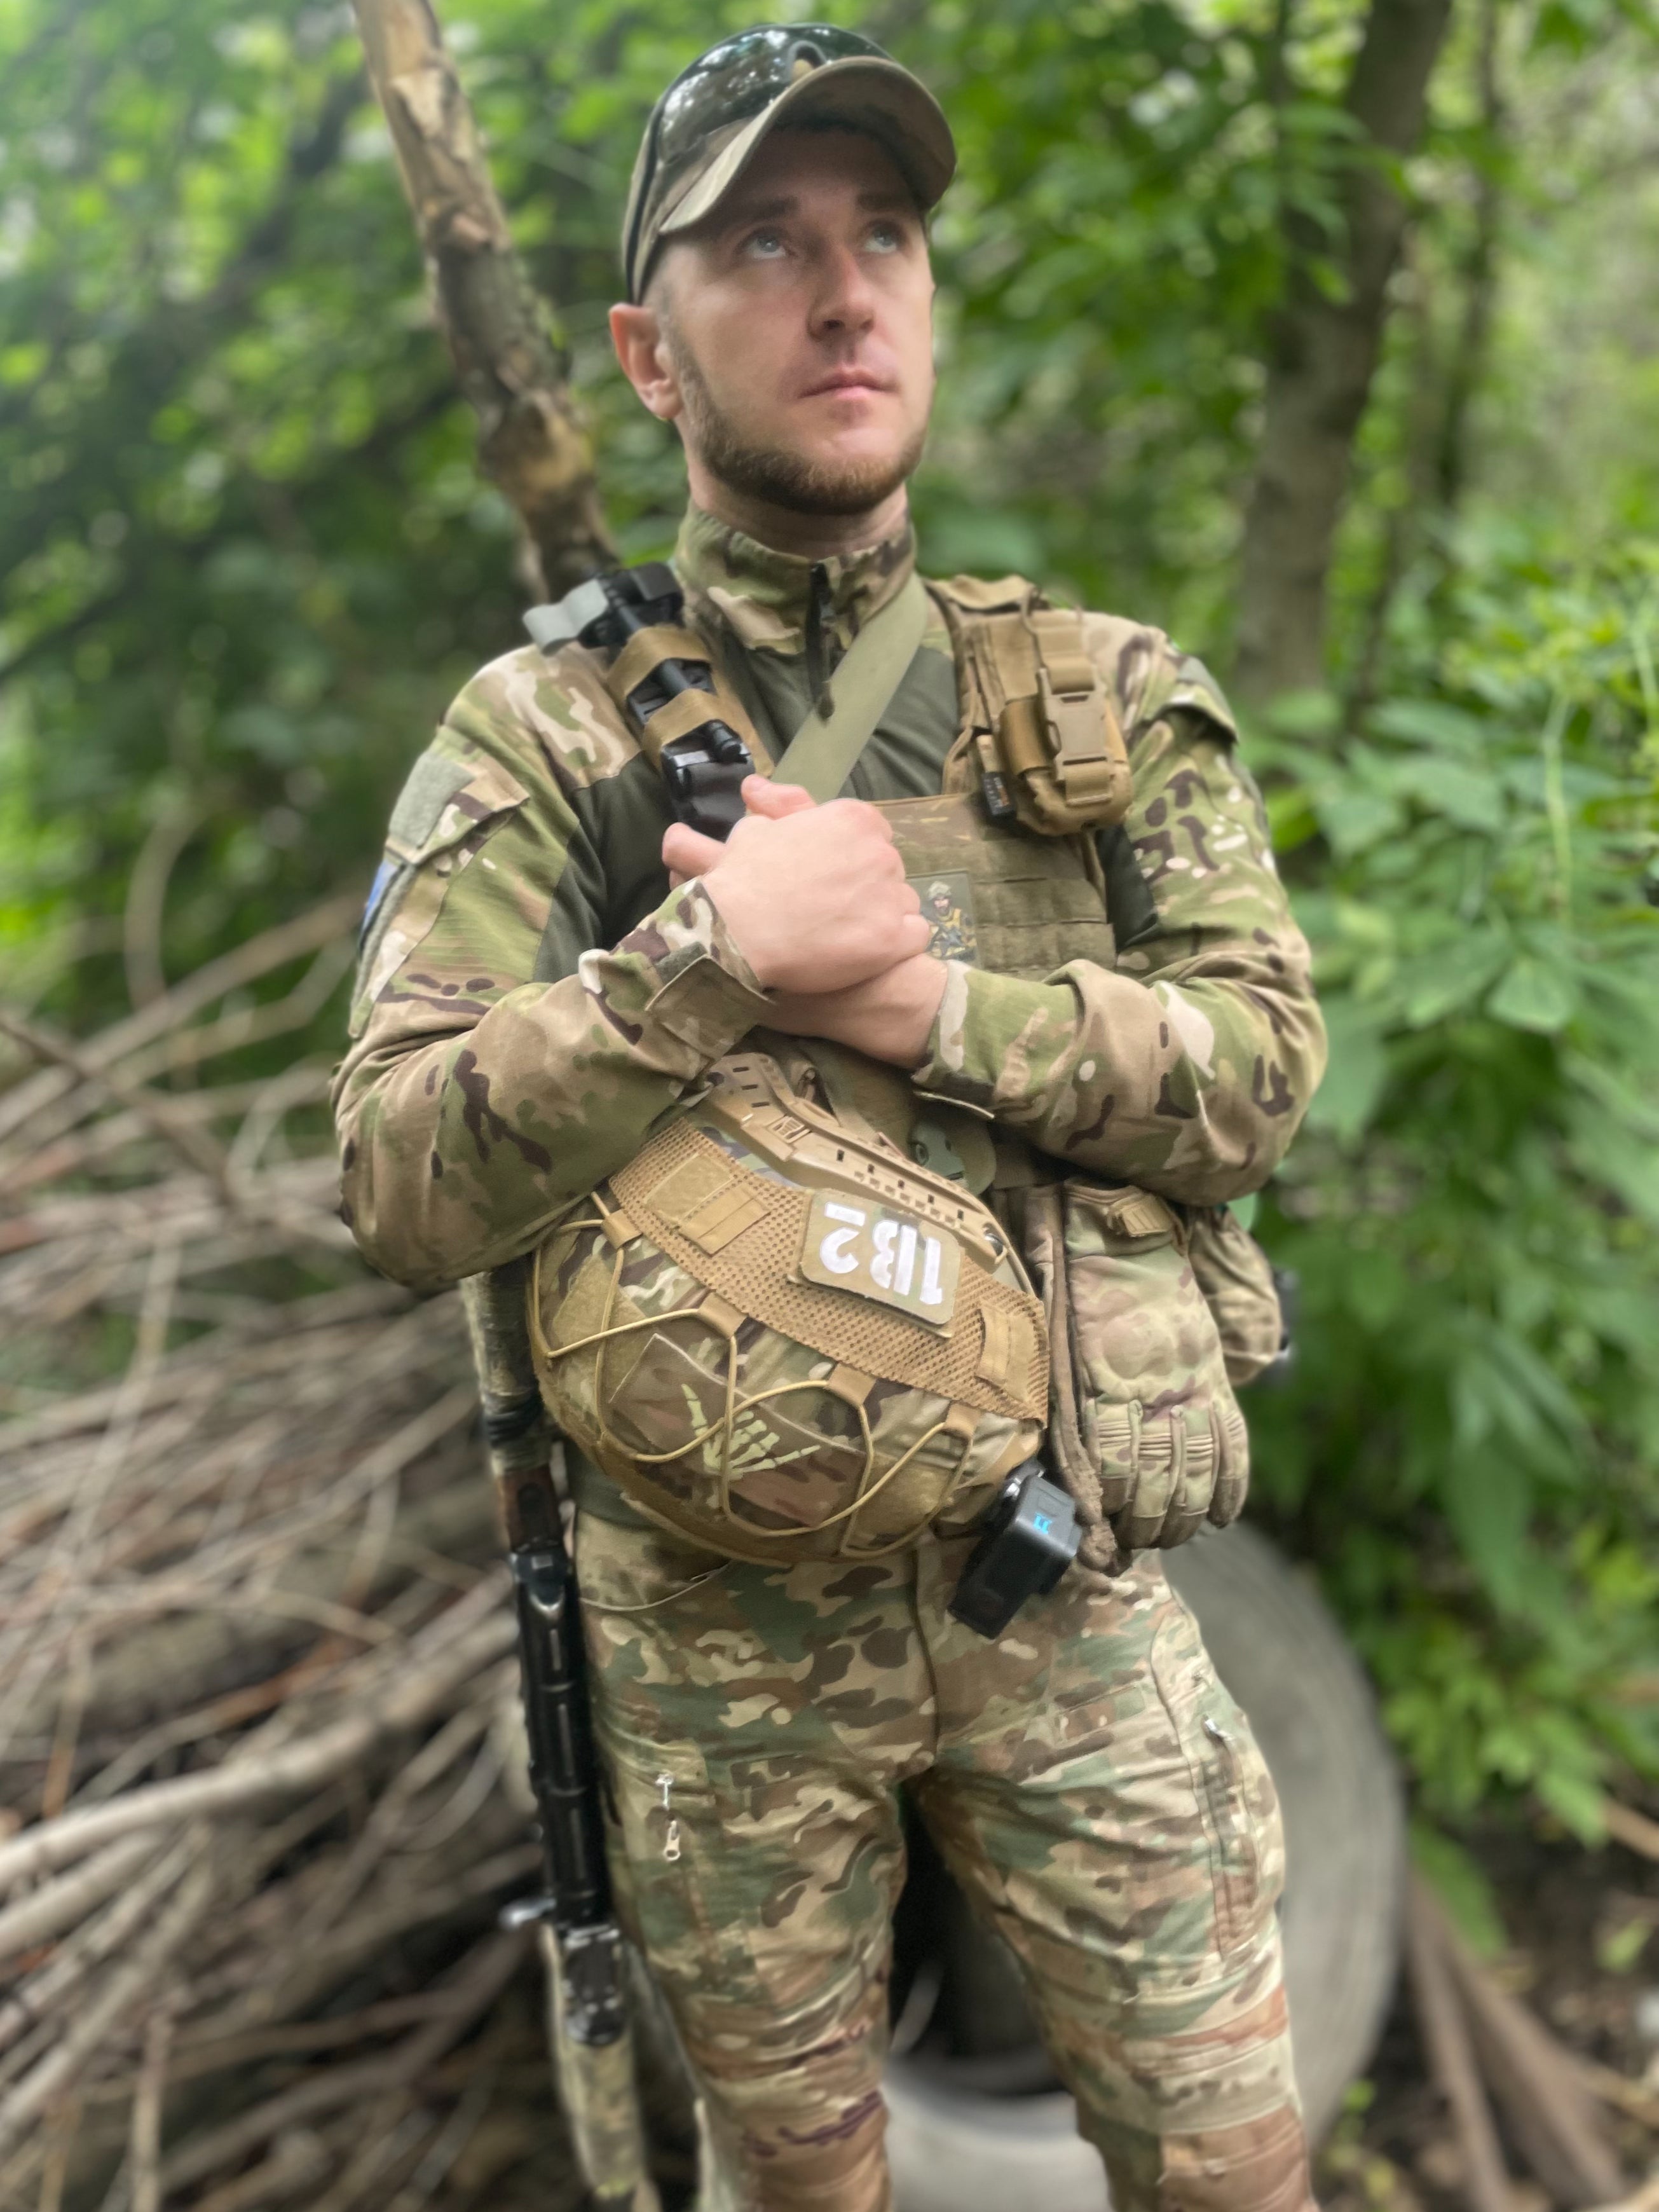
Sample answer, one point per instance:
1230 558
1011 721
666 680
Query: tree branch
1480 272
532 440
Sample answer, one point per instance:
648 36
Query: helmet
782 1339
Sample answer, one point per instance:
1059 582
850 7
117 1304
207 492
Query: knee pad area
795 2158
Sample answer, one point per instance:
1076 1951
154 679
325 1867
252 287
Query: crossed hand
817 901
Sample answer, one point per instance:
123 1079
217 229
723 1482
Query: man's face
797 327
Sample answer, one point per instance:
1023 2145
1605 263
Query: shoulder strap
822 752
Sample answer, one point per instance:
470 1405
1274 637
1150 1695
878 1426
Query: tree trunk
532 440
1323 354
1468 358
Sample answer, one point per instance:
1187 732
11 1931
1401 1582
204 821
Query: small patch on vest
947 909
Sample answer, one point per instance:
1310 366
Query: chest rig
1039 764
1005 859
821 1313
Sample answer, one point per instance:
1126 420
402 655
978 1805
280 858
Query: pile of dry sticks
258 1754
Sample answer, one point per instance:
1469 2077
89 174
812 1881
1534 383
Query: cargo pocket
1237 1807
664 1821
761 1888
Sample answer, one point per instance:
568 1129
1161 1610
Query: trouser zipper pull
671 1841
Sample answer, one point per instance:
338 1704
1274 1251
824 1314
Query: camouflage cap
706 128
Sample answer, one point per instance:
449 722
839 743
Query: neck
786 529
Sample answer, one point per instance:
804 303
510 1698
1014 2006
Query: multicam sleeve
477 1101
1188 1068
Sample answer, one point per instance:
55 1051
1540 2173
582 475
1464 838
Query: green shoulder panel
1198 690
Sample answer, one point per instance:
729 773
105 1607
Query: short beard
769 473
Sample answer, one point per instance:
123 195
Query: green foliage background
244 557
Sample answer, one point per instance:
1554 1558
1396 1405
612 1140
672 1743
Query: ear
637 334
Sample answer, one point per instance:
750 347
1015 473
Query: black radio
1030 1538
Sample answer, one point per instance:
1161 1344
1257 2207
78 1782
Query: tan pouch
1051 750
1236 1277
1143 1426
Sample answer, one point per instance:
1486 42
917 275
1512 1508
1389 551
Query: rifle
573 1915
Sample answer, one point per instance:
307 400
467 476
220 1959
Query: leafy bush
1471 1446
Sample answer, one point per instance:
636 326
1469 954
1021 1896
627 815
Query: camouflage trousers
1089 1783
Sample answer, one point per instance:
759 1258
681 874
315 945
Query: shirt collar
764 596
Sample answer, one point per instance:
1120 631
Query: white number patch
857 1244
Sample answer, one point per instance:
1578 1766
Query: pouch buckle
1075 723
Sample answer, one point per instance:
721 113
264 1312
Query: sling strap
823 752
690 724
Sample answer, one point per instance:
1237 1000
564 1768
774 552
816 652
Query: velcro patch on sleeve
432 782
445 801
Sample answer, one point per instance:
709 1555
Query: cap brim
880 97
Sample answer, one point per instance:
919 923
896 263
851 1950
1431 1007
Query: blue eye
885 238
764 245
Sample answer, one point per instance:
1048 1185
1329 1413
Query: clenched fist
815 897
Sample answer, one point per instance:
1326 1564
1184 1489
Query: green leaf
1356 1074
1577 1802
1306 713
1453 977
1354 820
1429 722
1462 1887
1488 1502
1619 1950
1535 994
1464 795
1379 1289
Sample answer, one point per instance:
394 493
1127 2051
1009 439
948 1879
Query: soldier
553 964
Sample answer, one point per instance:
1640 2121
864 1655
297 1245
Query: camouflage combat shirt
533 998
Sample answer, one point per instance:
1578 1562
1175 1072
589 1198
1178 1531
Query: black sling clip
702 771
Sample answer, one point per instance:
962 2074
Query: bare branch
532 440
412 1692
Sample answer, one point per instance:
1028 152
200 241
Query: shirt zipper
821 635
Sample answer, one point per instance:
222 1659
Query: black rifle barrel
563 1767
563 1770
